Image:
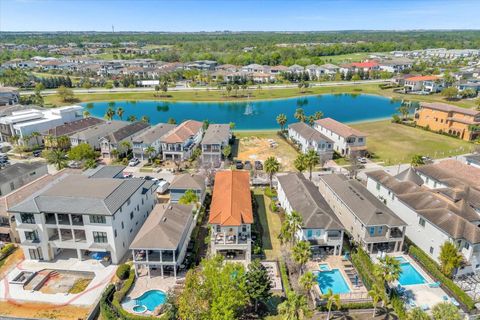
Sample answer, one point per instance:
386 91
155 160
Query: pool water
410 274
324 267
151 299
334 280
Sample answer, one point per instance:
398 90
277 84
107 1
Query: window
360 139
372 231
100 237
431 250
131 230
380 230
27 218
309 233
98 219
218 228
131 215
128 202
123 226
421 222
378 185
115 232
466 246
31 235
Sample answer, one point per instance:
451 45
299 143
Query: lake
256 115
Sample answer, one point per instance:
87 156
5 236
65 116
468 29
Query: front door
35 254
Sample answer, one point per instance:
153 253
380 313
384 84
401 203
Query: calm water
255 114
332 280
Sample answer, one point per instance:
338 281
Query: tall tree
120 112
56 157
299 115
300 163
149 151
311 159
282 121
290 227
450 258
308 280
272 166
332 299
301 252
109 114
377 294
295 307
388 269
318 115
65 94
258 283
445 311
132 118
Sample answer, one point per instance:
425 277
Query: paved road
184 88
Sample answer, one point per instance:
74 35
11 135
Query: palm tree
301 252
149 151
404 111
450 258
125 145
272 166
295 307
417 160
282 121
311 120
332 299
299 115
445 311
300 163
132 118
376 294
35 135
57 158
120 112
388 269
26 139
145 119
109 114
292 224
86 114
63 142
311 160
417 314
318 115
308 280
14 139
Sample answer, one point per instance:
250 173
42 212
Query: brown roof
127 131
184 131
339 128
448 171
307 132
74 126
231 201
449 108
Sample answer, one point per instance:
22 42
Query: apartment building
83 215
231 215
444 118
217 137
178 144
346 140
368 221
321 227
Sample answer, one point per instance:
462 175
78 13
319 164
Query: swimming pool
334 280
324 267
410 274
151 299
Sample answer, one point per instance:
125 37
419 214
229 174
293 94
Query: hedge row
284 275
6 250
398 307
364 265
434 270
349 306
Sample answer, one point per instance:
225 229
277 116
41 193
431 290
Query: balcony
153 256
63 219
396 233
222 238
211 148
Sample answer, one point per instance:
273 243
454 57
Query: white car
362 160
133 162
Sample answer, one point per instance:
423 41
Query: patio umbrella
356 280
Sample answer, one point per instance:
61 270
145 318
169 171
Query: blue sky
236 15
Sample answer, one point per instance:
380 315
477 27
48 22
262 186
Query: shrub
6 250
273 207
123 271
349 306
284 275
364 266
399 307
434 270
269 192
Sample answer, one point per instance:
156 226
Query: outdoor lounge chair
412 303
435 284
454 302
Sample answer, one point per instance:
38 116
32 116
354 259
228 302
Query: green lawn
271 224
396 143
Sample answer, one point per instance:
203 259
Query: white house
150 138
321 227
346 140
179 143
308 138
429 84
216 138
83 215
114 140
433 216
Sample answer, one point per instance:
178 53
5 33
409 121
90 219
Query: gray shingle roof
369 210
188 181
81 195
164 227
127 131
305 198
105 171
154 133
216 134
307 132
9 173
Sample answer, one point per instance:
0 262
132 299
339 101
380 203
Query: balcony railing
221 238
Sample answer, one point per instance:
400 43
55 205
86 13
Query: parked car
148 178
74 165
37 153
362 160
258 165
238 164
248 165
133 162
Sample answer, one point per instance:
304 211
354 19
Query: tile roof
105 171
305 198
216 134
74 126
367 208
449 108
447 171
183 132
127 131
339 128
165 227
422 78
19 169
308 133
102 129
231 201
154 133
187 181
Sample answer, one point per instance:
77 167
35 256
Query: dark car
37 153
258 165
248 165
238 164
148 178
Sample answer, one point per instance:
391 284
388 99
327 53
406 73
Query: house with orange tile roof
429 84
231 215
441 117
179 143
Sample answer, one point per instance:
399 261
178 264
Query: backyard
396 143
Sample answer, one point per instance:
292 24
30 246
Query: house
231 215
103 171
473 160
356 67
150 138
430 84
308 138
321 227
368 221
217 137
296 69
67 129
444 213
24 123
162 241
444 118
184 182
395 65
468 85
92 135
83 215
179 143
9 96
115 140
329 69
8 230
346 140
18 174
